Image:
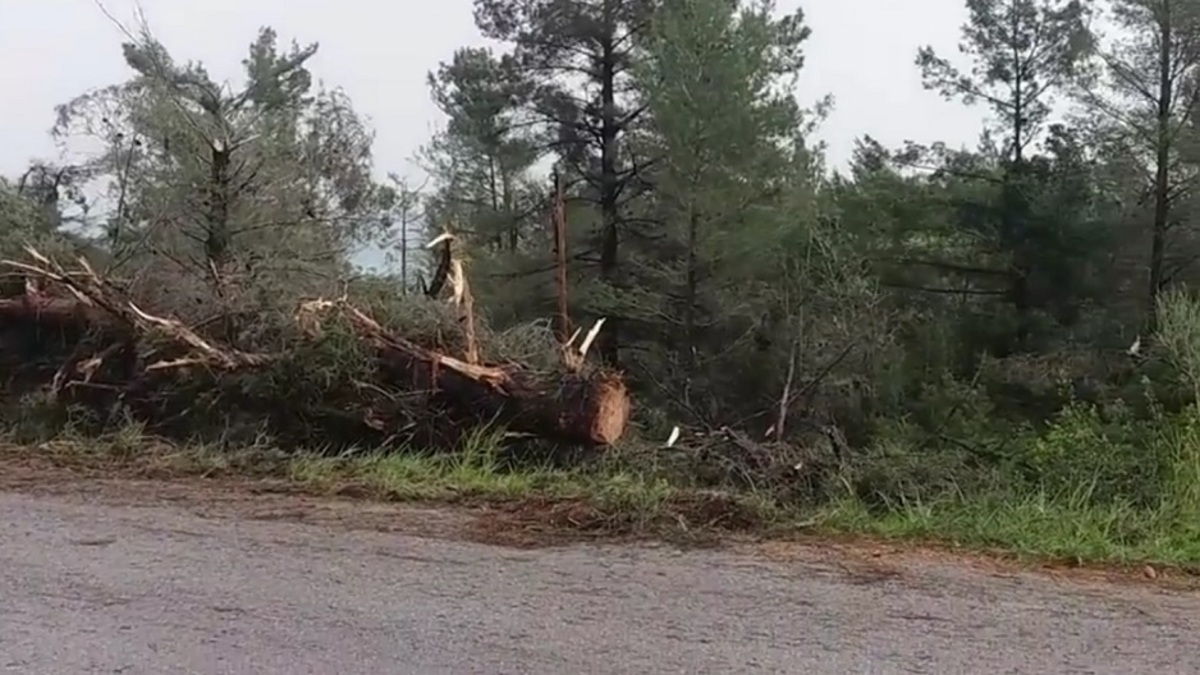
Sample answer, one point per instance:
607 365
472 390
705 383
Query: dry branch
573 407
93 294
577 406
461 295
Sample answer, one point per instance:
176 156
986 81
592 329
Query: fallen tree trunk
576 406
573 404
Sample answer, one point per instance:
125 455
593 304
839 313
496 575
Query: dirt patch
533 523
692 519
708 510
874 559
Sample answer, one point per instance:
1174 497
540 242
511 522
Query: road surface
90 585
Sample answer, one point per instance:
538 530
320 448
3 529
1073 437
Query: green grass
626 498
1035 524
476 472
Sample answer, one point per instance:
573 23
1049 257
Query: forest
629 251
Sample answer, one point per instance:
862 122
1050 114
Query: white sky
861 51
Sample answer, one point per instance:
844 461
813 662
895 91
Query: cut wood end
610 408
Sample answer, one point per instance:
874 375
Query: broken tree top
572 402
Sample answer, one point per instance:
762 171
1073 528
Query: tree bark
570 406
574 407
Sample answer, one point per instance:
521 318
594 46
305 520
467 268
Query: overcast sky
861 51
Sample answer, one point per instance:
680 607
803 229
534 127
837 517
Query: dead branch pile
803 471
116 353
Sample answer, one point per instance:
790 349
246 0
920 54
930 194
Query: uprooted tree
118 353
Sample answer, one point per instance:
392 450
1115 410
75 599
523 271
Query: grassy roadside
600 498
1036 527
612 498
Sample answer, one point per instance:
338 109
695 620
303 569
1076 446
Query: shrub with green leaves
1105 460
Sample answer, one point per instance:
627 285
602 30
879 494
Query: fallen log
574 404
578 406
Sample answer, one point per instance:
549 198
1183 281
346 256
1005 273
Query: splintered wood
573 405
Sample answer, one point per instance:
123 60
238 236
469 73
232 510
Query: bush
1103 461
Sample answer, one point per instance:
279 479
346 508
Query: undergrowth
1112 478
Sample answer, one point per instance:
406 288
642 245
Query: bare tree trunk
609 345
1162 167
689 310
559 222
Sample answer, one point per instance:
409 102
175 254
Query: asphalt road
90 587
